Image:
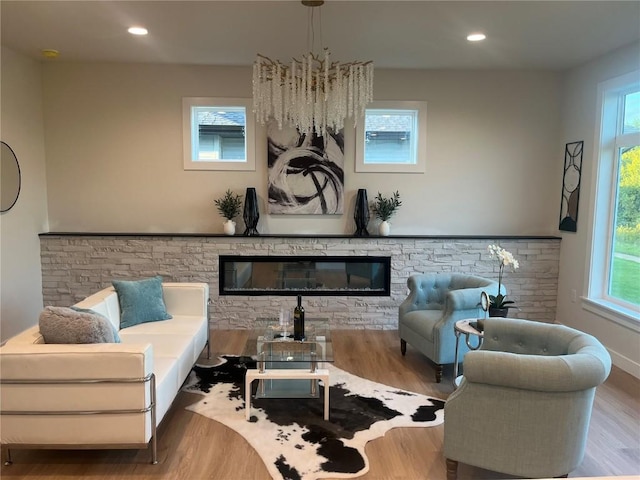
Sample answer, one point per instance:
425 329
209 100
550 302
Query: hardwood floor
193 447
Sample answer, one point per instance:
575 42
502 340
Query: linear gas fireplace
305 275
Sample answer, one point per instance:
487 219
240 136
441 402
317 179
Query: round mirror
484 301
9 178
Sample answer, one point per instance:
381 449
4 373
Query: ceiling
394 34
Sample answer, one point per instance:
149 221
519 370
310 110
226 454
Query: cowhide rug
291 436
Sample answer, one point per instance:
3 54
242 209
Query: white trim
615 313
246 164
602 200
624 363
420 131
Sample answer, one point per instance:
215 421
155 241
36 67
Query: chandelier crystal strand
311 94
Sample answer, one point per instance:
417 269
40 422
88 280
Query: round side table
465 327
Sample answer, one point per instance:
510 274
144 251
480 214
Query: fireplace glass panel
241 275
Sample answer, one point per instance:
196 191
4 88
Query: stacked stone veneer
75 266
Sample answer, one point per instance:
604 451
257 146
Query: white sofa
103 395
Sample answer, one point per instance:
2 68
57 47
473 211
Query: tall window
615 268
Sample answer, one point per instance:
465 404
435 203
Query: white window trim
248 164
603 201
421 132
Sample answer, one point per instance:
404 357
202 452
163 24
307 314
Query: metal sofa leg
439 369
7 456
154 429
452 469
403 347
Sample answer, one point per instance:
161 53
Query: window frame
609 139
188 133
420 132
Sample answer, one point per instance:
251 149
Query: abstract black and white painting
306 173
571 186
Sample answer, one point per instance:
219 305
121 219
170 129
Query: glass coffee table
287 368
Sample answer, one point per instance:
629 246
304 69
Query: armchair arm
563 373
464 299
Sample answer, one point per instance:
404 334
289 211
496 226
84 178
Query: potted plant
384 208
229 207
498 304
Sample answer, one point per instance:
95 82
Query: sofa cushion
140 301
66 325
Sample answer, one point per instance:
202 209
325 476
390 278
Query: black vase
498 312
361 214
251 213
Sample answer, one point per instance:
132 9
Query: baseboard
624 363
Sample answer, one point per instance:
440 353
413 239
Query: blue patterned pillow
140 301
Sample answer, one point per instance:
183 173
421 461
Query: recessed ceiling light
476 37
138 31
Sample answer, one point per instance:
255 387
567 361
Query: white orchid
506 259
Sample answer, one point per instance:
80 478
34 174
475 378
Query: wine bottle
298 321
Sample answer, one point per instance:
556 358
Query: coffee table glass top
272 342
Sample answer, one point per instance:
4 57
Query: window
615 263
392 138
218 134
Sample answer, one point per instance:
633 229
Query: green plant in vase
384 208
229 207
499 306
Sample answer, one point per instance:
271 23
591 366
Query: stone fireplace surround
75 265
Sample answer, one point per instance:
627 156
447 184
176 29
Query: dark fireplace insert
305 275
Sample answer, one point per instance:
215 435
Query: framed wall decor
305 172
571 186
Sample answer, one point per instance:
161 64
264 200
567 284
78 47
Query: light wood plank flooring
192 447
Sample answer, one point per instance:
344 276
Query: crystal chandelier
312 94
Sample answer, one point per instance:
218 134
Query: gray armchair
435 302
524 405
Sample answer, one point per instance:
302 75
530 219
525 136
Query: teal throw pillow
116 336
140 301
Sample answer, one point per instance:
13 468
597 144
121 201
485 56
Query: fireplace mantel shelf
304 235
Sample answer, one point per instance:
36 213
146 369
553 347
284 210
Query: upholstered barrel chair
524 405
435 302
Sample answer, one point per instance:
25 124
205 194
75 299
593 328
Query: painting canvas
571 186
306 172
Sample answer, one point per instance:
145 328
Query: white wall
580 122
22 129
114 152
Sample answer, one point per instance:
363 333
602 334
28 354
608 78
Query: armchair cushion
422 322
